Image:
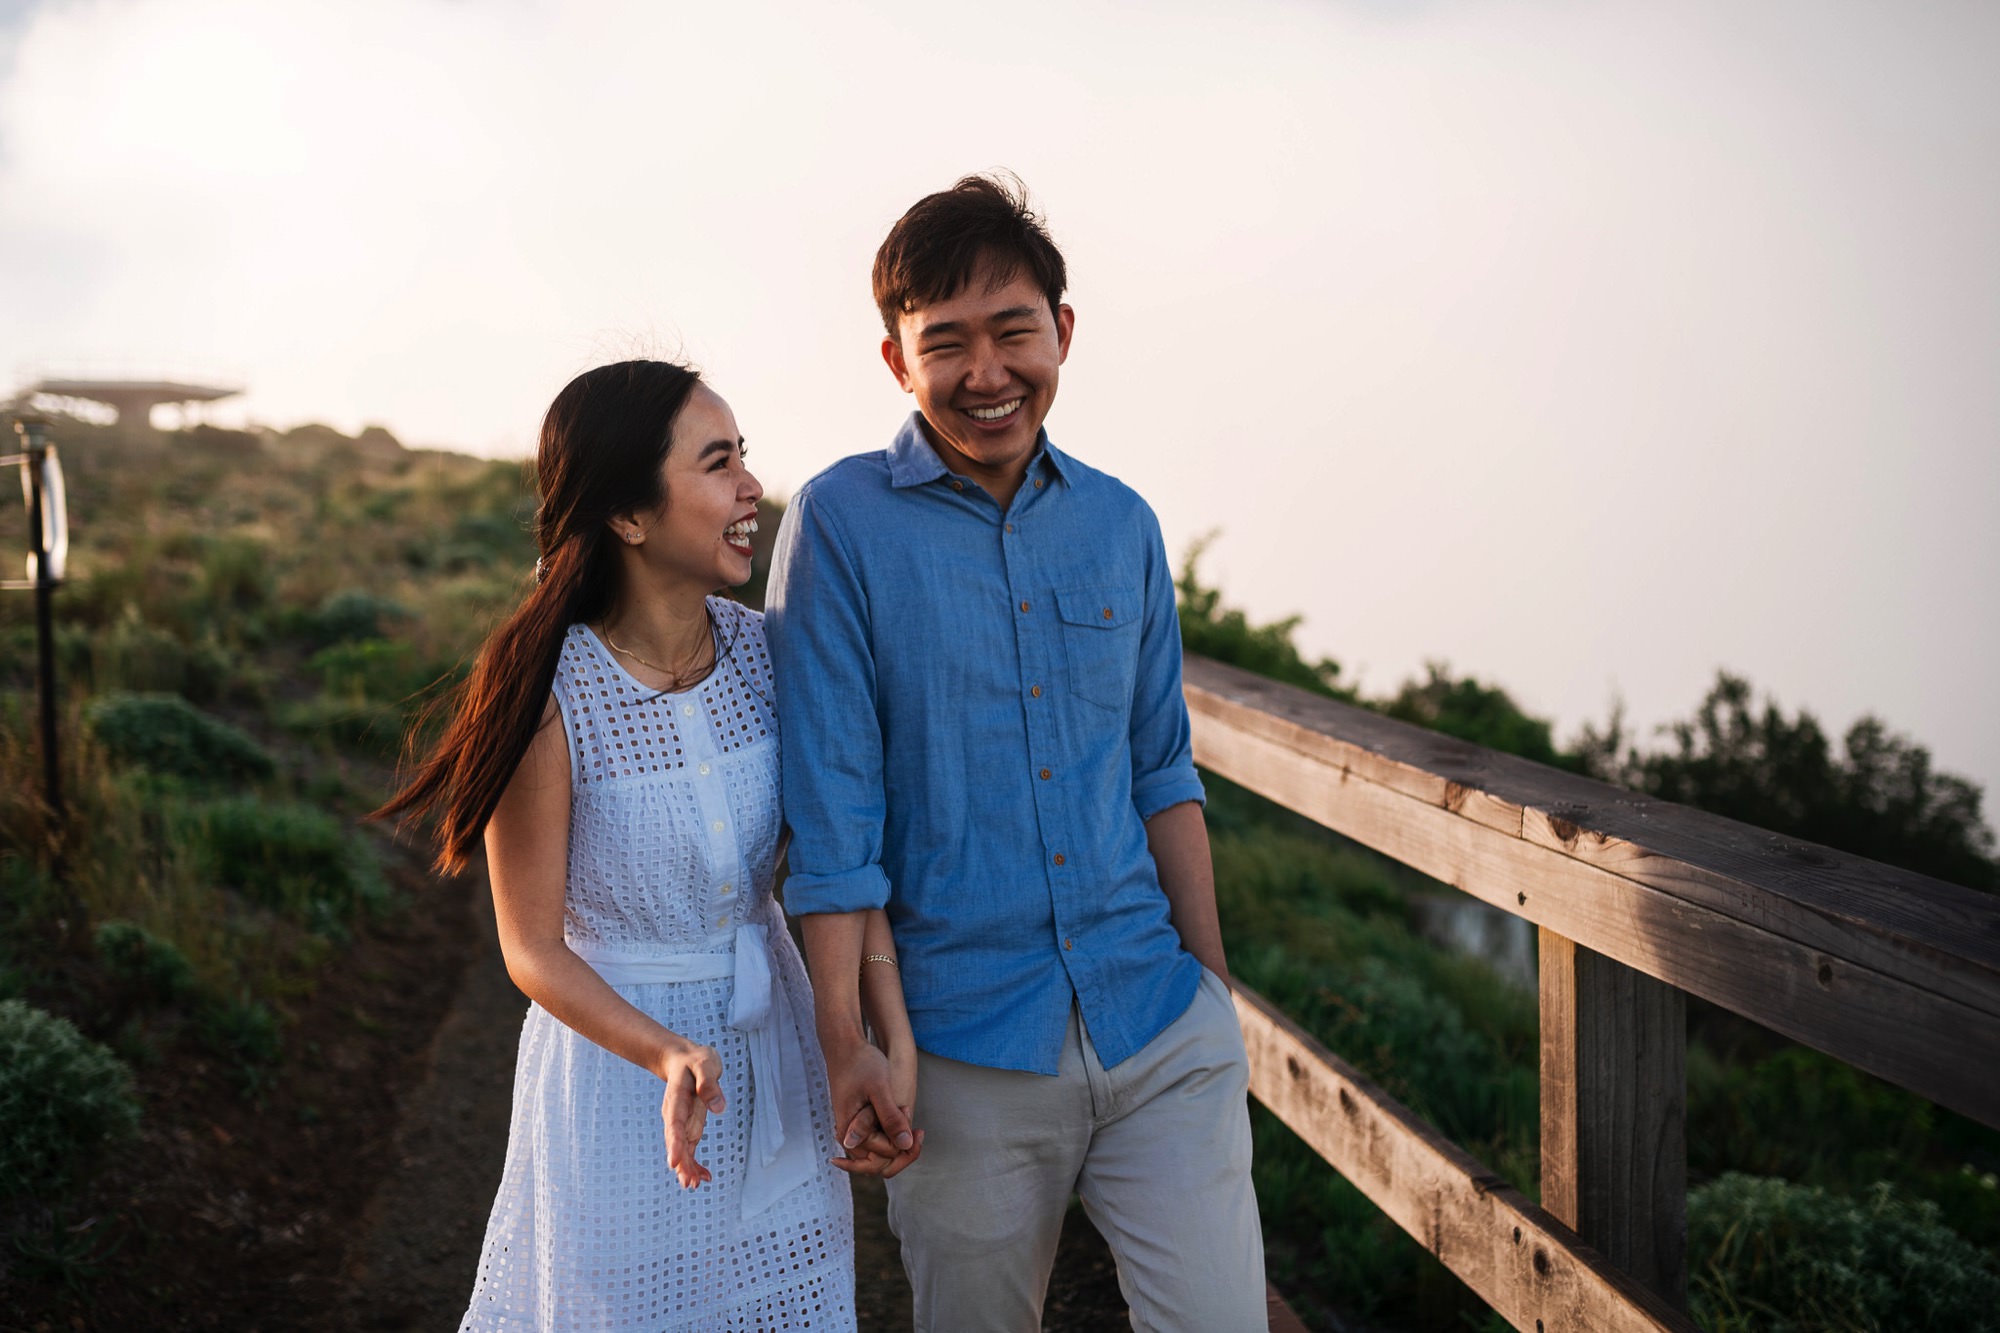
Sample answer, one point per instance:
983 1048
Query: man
979 675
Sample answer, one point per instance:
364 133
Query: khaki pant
1158 1148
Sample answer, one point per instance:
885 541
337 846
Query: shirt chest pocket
1100 636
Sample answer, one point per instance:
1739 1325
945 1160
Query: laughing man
978 668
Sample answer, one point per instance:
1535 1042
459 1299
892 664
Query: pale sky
1587 346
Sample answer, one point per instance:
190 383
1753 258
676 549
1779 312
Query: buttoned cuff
1159 791
857 890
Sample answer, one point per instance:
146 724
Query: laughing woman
616 746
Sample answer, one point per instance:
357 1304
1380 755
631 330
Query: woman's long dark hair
602 445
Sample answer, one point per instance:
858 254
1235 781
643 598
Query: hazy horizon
1595 348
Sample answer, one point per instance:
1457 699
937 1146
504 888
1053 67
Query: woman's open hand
693 1094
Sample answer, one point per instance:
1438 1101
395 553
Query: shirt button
1035 690
1059 858
1069 944
722 921
1024 606
958 485
1045 775
718 826
1107 613
1038 483
728 889
703 770
1010 527
687 710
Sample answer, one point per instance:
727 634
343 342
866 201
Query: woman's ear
626 528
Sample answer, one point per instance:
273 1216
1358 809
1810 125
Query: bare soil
234 1209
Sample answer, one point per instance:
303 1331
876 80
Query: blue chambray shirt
980 711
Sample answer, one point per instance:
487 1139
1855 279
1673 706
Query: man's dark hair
933 249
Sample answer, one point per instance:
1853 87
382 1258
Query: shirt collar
912 461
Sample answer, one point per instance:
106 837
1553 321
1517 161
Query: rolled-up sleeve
816 619
1163 772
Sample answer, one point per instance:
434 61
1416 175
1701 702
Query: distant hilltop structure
127 399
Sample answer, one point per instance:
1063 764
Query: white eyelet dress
673 835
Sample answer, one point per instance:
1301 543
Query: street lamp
48 552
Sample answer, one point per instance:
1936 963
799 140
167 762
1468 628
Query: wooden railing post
1614 1110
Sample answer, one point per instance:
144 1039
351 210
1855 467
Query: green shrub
166 735
1768 1256
1820 1101
362 669
293 858
236 574
62 1098
243 1030
136 655
482 539
144 967
371 728
351 614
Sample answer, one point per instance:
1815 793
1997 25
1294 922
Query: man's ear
1065 326
892 354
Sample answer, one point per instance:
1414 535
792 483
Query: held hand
692 1096
874 1153
877 1138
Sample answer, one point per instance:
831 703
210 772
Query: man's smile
997 412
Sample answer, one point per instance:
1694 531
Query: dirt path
410 1269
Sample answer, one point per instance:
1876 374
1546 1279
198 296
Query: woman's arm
882 1003
527 859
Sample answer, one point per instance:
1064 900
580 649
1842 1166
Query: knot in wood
1454 795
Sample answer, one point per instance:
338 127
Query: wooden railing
1639 903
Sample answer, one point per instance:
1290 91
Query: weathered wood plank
1520 1260
1938 936
1852 992
1614 1112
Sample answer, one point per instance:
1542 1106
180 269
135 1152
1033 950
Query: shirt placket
1040 685
725 854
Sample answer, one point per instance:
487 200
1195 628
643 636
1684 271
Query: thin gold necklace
684 676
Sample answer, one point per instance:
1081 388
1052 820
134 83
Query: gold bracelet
880 958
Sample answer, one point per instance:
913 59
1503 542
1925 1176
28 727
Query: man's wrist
839 1035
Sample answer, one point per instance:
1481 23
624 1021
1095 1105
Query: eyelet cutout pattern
674 819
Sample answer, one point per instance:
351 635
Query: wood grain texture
1894 973
1614 1112
1523 1262
1940 935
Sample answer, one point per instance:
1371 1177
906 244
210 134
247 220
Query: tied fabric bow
782 1153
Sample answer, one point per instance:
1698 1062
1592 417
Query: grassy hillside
206 1014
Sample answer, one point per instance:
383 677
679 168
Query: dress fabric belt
783 1155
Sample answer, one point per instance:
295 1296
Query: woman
616 746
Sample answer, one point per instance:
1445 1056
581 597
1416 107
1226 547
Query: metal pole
35 437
